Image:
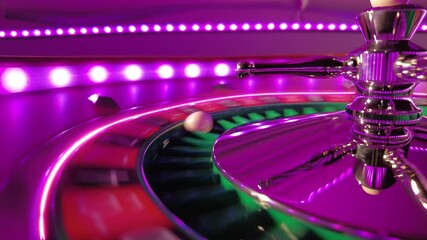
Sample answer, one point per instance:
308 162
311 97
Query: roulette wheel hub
353 170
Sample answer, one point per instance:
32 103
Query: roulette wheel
96 147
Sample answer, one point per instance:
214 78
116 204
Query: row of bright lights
144 28
18 80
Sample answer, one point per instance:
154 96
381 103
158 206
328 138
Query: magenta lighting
133 72
25 76
60 77
98 74
181 27
14 79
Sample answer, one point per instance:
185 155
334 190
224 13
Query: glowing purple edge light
62 159
195 27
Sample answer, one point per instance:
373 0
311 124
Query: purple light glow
192 70
98 74
165 71
298 26
208 27
295 26
144 28
222 70
107 29
182 27
14 79
220 27
71 31
343 27
133 72
283 26
157 28
169 27
195 27
60 77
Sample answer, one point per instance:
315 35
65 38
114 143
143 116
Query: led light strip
195 27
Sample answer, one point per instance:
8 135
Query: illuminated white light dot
208 27
2 34
157 28
182 27
270 26
60 77
132 28
95 30
220 27
169 27
107 29
47 32
25 33
258 26
133 72
144 28
119 29
246 26
424 27
307 26
192 70
59 31
233 27
83 30
195 27
295 26
343 27
283 26
71 31
37 32
320 26
332 27
354 27
94 97
13 33
222 70
98 74
165 71
14 79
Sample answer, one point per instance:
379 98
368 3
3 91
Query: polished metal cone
391 23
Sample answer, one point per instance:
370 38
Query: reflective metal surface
294 163
335 192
